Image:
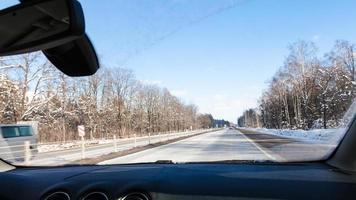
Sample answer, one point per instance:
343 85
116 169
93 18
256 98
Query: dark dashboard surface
183 181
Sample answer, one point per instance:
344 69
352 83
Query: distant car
12 141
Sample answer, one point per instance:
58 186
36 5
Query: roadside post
149 138
81 133
135 140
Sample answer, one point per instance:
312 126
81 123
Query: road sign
81 130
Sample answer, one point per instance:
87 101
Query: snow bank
330 136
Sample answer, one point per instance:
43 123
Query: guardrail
22 153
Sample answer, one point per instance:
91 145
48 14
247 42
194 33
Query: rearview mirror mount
40 24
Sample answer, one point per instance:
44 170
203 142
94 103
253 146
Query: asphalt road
66 156
230 144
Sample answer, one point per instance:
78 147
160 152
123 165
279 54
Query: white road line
270 156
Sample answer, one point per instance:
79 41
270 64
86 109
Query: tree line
207 120
307 91
111 102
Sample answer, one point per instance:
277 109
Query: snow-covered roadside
329 136
69 145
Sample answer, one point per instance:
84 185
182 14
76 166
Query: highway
230 144
68 156
225 144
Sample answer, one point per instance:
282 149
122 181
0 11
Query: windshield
188 81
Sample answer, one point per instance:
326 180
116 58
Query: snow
329 136
69 145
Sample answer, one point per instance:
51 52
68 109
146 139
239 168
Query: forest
112 102
308 91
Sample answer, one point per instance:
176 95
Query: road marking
271 157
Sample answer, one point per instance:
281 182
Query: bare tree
112 102
308 92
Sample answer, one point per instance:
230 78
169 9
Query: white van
12 141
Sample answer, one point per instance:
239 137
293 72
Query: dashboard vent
135 196
58 196
95 196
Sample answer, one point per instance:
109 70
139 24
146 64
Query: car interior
57 28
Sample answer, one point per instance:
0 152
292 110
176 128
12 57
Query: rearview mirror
40 24
75 58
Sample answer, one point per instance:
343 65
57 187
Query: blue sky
217 54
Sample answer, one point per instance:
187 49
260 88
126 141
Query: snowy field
329 136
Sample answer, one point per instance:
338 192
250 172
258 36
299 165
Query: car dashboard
179 181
